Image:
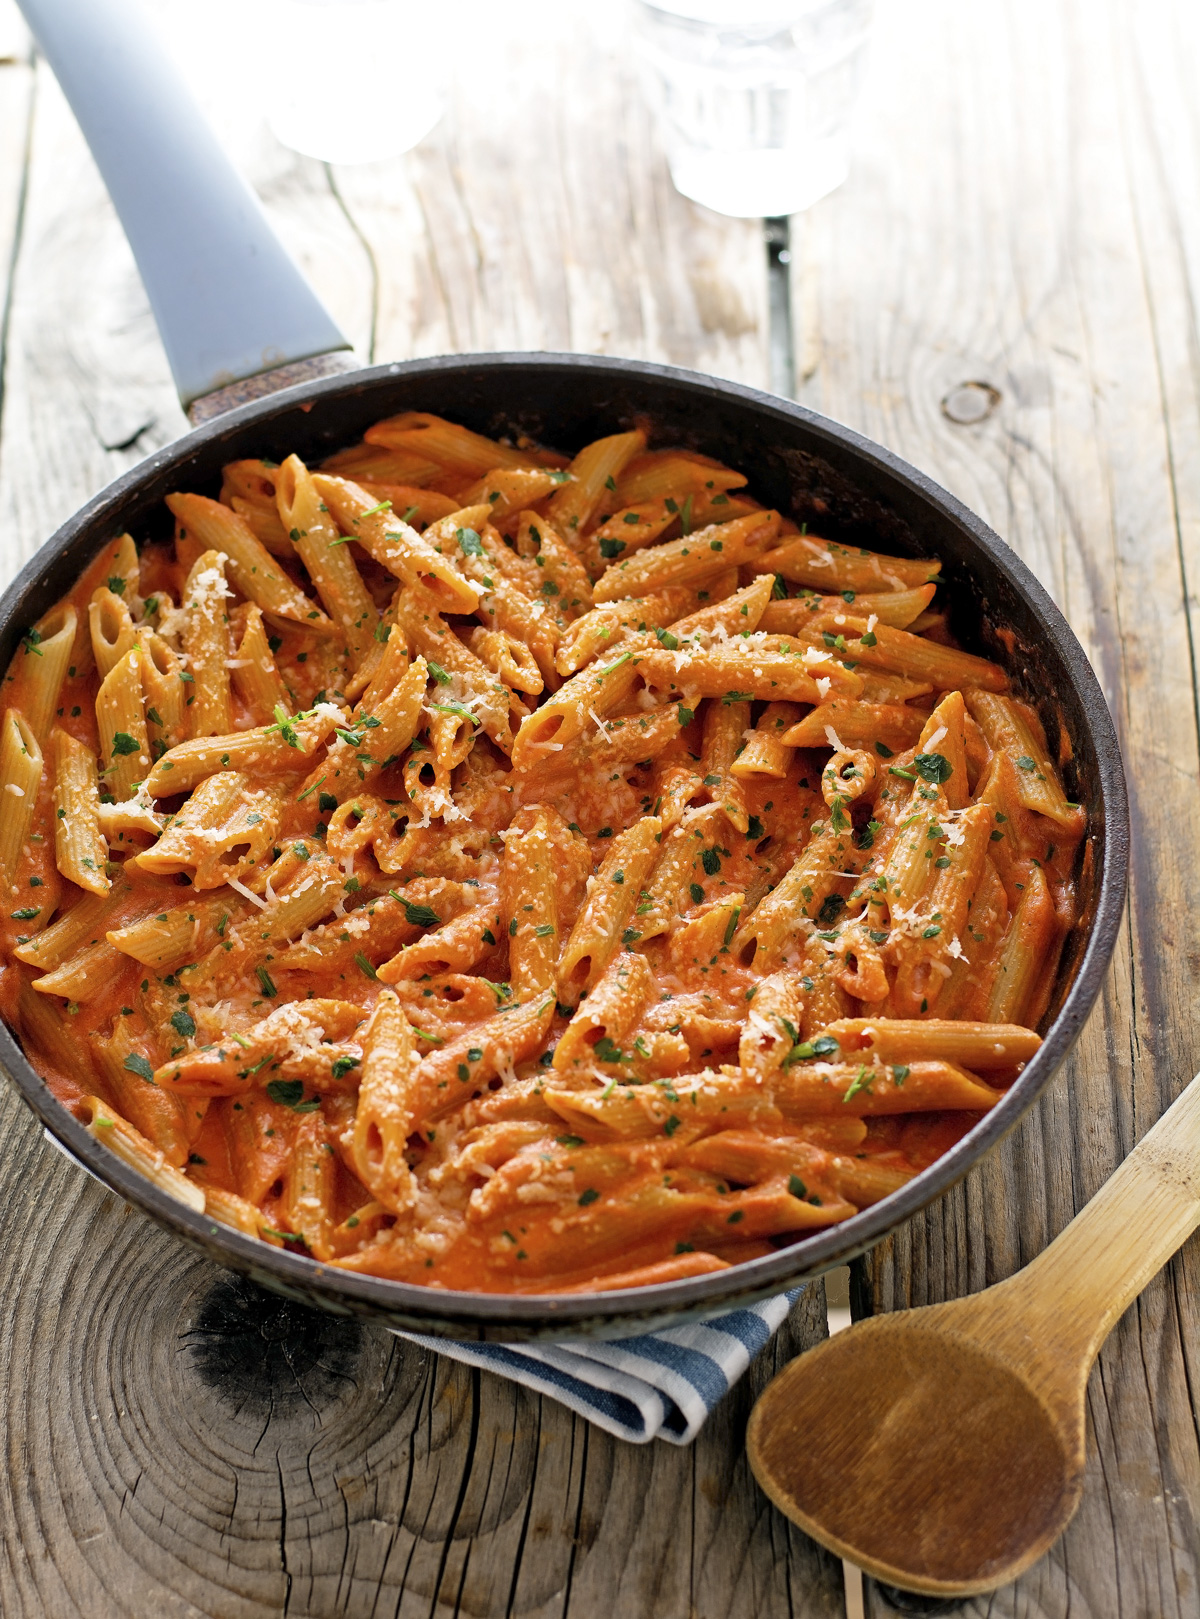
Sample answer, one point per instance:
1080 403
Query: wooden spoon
942 1449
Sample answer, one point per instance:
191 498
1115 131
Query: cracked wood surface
1025 216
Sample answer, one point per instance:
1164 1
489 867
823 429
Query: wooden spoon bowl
944 1471
943 1449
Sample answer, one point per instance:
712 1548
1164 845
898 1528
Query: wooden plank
543 216
1023 216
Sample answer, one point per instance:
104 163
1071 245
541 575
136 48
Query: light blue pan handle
229 302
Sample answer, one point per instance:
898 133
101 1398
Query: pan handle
232 308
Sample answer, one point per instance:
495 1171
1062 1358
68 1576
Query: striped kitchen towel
661 1385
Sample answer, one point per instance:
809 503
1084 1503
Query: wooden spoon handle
1074 1292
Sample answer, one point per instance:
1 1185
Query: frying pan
249 346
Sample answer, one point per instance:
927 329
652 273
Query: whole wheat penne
509 659
308 1187
509 489
446 655
165 691
126 1070
772 927
623 532
410 503
455 947
48 1034
604 627
184 933
221 833
82 923
609 1013
121 722
263 522
374 461
707 934
248 488
384 1117
666 889
561 579
374 740
944 734
419 559
84 975
737 614
895 607
772 1027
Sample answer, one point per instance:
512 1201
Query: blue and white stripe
661 1385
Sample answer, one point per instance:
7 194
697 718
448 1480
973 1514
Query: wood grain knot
970 402
251 1347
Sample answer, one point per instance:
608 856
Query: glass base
328 132
755 185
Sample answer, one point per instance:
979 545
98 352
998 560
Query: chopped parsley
290 1093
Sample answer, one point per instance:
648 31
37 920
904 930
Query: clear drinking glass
355 80
755 97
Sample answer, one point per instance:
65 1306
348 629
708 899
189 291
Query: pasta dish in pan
498 871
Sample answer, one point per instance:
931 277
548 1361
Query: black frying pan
149 143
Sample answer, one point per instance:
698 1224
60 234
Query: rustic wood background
1005 293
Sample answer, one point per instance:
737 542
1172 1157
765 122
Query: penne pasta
256 680
825 565
595 467
489 877
683 561
252 569
207 646
35 684
602 925
80 850
20 778
329 564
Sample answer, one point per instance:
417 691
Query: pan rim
518 1317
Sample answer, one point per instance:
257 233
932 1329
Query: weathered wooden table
1006 293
